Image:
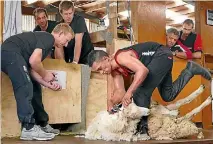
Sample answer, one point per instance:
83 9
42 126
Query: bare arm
59 53
132 63
181 55
119 89
196 55
37 66
35 62
78 46
38 78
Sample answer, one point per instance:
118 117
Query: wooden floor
208 134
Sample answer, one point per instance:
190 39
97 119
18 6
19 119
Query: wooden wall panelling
206 32
151 17
202 28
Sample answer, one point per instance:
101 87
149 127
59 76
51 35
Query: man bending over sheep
151 63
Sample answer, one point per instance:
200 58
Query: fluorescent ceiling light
179 2
125 13
171 14
180 19
191 7
49 1
31 1
167 27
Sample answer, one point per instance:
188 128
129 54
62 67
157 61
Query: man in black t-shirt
21 59
79 47
43 24
40 15
189 44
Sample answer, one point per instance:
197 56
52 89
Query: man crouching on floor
22 57
151 64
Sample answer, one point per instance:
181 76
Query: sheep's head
134 112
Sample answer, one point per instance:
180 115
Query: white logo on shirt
149 53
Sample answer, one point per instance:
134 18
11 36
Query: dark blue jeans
27 92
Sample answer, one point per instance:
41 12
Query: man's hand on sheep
127 99
116 98
109 105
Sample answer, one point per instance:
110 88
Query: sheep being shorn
116 127
164 122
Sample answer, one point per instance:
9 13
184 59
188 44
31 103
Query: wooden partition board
97 96
62 106
10 126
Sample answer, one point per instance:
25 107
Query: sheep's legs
186 100
196 110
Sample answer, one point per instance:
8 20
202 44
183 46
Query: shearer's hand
127 99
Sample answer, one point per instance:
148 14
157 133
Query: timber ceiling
177 10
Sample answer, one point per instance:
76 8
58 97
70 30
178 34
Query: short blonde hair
63 27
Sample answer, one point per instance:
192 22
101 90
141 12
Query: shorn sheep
164 122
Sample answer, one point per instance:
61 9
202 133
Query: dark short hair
40 10
65 5
95 56
188 22
174 31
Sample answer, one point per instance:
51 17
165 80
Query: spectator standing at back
79 47
189 44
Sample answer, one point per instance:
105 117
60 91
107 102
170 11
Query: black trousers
160 76
27 92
